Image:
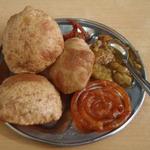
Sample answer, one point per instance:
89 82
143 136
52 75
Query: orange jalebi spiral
101 106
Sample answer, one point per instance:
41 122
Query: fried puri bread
31 41
28 99
73 68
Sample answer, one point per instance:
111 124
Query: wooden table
129 17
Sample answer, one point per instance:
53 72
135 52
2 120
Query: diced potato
108 63
119 68
122 79
101 72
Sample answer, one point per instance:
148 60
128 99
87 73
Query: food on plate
100 107
108 63
73 68
121 74
101 72
77 31
103 54
32 41
28 99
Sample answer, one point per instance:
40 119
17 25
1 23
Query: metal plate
71 137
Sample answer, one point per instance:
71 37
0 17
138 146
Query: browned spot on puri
2 119
27 64
46 25
23 29
47 55
9 57
76 58
26 20
32 35
26 45
24 77
10 36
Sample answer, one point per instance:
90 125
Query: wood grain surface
129 17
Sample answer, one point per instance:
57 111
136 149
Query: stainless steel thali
71 137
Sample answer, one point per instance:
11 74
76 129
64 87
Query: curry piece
108 63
